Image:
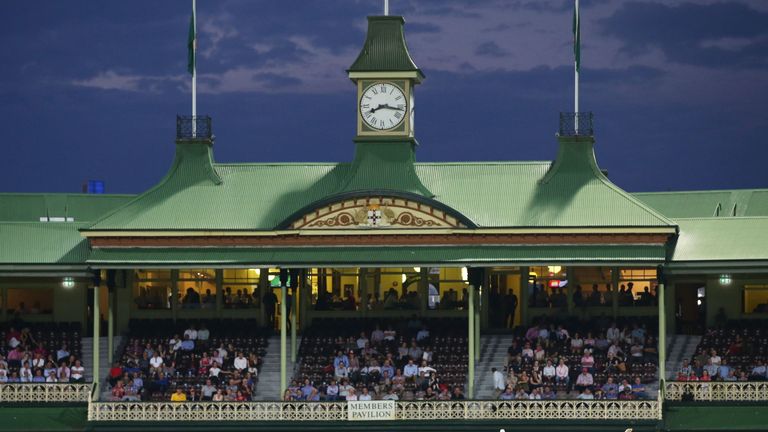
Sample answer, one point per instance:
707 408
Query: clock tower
385 76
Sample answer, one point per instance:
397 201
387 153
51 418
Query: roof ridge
702 191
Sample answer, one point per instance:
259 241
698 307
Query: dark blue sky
90 89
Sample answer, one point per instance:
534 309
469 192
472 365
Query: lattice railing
719 391
337 411
41 393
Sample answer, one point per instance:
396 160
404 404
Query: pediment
377 212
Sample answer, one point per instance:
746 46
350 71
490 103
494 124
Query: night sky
90 89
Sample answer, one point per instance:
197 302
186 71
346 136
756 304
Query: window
241 288
447 288
504 285
637 287
30 301
152 289
197 289
547 286
756 299
594 286
335 288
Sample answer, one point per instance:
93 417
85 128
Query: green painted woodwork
718 203
384 165
363 255
385 49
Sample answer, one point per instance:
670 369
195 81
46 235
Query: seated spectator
562 374
585 394
187 344
410 371
179 396
549 372
638 389
610 389
584 380
77 372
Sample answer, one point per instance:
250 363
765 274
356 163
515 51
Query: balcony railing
718 391
193 128
44 392
404 410
576 124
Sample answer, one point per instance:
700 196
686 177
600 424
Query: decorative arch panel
377 212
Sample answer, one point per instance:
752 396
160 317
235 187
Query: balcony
192 128
576 124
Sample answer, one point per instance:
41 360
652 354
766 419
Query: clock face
383 106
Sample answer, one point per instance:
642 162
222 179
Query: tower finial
386 7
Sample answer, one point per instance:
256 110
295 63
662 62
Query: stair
493 353
680 347
269 375
104 366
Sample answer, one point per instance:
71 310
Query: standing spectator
499 383
270 301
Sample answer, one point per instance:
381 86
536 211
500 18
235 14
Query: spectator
584 380
179 396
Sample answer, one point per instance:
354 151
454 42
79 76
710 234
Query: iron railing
576 124
44 392
404 410
193 128
717 391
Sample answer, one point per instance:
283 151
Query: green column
283 342
96 334
294 306
662 339
110 325
477 332
471 331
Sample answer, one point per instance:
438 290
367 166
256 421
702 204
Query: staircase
104 366
680 347
493 353
269 375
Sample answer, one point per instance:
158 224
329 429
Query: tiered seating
326 337
740 345
187 369
45 339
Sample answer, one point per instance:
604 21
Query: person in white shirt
38 362
203 334
51 378
191 333
499 383
613 334
240 362
426 369
389 334
351 395
549 371
63 373
77 372
25 373
341 371
214 371
422 334
364 396
3 375
175 343
561 373
410 371
156 363
362 341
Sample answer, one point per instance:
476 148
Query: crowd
733 352
414 361
192 363
41 354
550 361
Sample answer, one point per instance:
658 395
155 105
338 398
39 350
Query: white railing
44 392
719 391
404 410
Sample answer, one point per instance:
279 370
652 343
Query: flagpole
386 7
194 72
576 73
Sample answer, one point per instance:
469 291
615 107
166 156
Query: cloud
717 35
112 80
490 49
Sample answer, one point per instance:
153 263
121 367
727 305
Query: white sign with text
371 410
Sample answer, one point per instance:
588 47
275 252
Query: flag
191 45
577 37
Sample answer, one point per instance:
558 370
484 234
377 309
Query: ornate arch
377 211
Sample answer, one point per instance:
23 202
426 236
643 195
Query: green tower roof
385 49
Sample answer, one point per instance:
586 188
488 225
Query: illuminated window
637 287
594 286
152 289
547 286
241 288
197 289
335 288
447 288
30 301
756 299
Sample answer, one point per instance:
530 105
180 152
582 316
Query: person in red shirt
115 373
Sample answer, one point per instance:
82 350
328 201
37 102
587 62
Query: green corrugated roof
722 239
27 243
719 203
574 193
385 49
27 207
458 255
